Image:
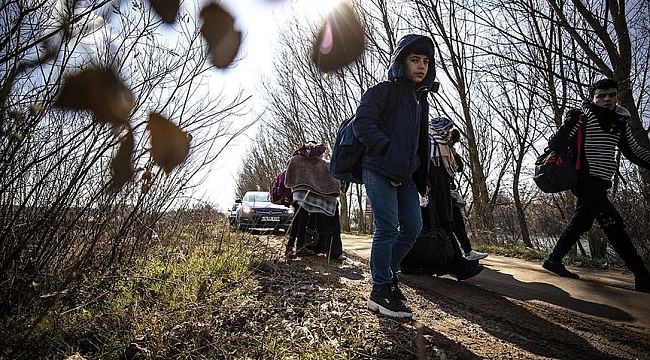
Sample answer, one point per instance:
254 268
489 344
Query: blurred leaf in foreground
166 9
169 144
219 32
100 91
122 164
340 40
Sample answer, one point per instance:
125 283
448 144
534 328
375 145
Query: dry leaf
340 40
166 9
169 144
147 175
219 32
99 91
121 165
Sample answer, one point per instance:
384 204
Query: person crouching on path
395 165
605 128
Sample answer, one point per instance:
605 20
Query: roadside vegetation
211 292
208 293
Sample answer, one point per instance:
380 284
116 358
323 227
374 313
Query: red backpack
278 193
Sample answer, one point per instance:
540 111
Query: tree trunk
521 216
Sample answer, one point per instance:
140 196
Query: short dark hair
602 84
419 47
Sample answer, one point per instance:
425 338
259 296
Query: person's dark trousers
593 204
333 225
460 231
297 231
293 229
329 231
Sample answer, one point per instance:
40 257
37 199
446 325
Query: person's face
416 67
605 98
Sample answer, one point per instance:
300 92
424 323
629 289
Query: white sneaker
475 255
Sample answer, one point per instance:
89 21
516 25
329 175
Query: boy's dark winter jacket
397 147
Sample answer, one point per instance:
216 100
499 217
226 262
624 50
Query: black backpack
345 164
556 171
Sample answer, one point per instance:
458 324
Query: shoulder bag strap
580 135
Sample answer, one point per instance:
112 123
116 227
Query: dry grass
229 296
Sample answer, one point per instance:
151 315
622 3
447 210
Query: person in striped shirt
605 128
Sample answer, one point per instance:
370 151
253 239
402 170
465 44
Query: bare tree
457 55
58 216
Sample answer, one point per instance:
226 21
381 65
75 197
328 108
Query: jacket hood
623 112
396 69
618 112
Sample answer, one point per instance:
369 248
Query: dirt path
516 310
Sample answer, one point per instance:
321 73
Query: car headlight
247 210
290 210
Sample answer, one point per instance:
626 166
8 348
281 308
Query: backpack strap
580 139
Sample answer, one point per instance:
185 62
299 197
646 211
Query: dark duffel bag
432 247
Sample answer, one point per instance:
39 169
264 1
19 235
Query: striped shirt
600 144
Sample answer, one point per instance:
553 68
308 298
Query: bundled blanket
312 173
313 202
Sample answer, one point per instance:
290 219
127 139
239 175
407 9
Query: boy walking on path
605 128
395 165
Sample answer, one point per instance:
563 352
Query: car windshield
257 197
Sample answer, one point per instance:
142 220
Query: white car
256 211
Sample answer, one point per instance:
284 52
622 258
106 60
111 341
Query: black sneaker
398 291
559 269
642 283
469 270
385 301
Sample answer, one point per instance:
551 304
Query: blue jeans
398 221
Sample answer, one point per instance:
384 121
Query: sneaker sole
472 258
477 271
373 306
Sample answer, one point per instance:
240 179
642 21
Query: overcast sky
258 20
